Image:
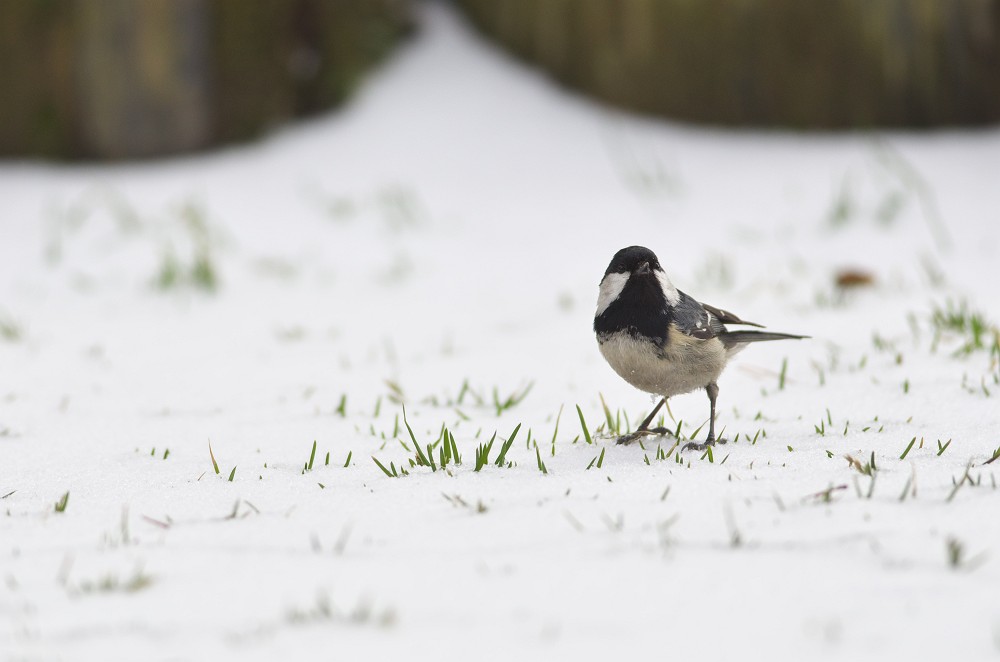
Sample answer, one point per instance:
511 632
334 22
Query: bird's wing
726 317
699 320
741 337
692 319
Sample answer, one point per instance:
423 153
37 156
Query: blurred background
110 79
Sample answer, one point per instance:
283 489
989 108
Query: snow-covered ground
438 243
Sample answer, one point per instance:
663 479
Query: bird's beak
643 269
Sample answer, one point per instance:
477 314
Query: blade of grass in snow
61 504
501 458
456 457
382 467
961 481
556 431
583 424
422 459
908 447
215 465
512 400
612 427
483 453
395 392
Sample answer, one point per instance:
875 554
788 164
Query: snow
452 224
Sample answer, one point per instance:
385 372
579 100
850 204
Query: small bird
662 341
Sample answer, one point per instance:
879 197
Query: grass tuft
972 326
483 453
511 400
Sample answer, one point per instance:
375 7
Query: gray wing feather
692 319
734 338
727 317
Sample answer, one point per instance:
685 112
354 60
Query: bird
663 341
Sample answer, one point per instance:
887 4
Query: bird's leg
643 428
713 394
649 419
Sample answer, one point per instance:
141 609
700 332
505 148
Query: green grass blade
215 465
454 449
583 424
382 467
538 458
612 427
502 457
908 447
942 449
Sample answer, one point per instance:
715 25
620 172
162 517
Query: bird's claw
693 446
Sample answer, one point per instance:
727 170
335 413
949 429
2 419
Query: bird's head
635 274
637 260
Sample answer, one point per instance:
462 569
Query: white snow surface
449 226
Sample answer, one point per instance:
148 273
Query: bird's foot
693 446
639 434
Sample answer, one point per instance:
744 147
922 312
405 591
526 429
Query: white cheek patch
611 289
669 291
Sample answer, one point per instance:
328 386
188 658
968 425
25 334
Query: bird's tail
733 338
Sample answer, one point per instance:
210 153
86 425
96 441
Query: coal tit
662 341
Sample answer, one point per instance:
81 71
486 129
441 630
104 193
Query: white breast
684 365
